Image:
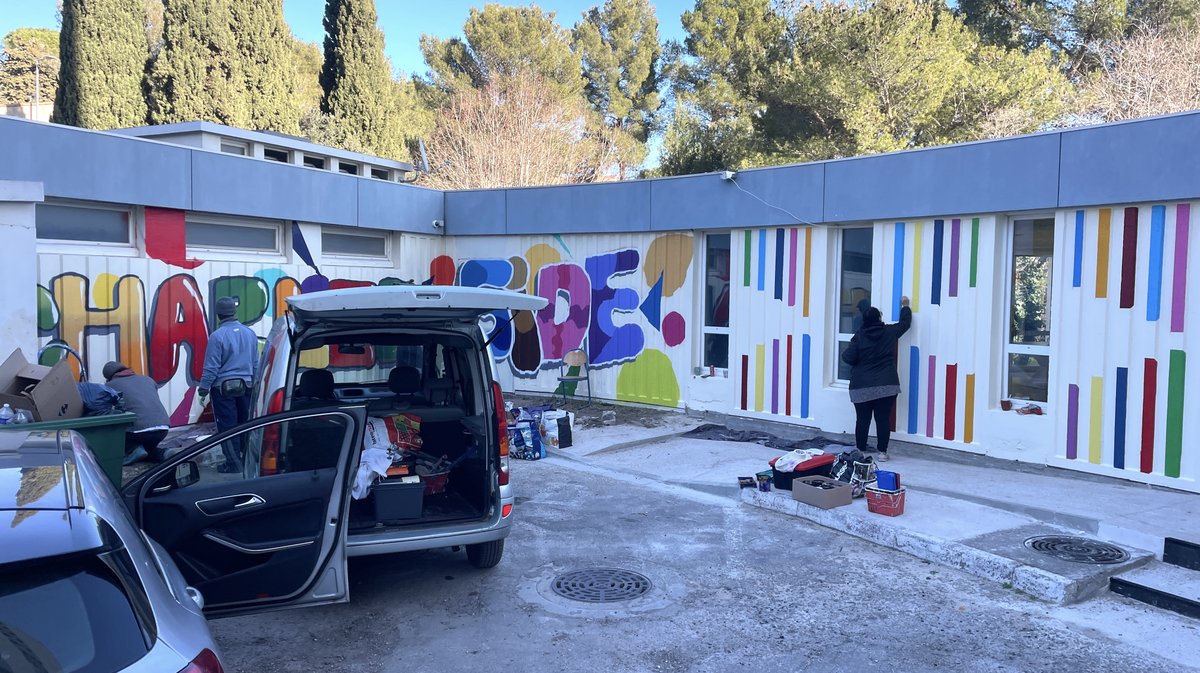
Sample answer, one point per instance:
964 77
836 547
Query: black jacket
872 353
141 397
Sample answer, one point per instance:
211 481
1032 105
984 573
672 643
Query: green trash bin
105 435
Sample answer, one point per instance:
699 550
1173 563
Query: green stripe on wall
746 262
974 249
1175 413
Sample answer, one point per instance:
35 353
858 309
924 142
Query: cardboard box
49 392
809 490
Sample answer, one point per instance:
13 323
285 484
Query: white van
338 361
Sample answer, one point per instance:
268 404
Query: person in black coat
874 381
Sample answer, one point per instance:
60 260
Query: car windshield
70 616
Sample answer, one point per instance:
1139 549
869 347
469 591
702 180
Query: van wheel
485 555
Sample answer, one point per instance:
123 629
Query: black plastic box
396 500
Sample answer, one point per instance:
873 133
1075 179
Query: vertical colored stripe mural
760 356
1072 421
793 236
1097 418
929 401
1158 225
745 376
775 376
1102 233
787 376
805 355
969 411
762 260
1120 411
1077 266
914 387
955 225
1149 404
935 288
807 265
1183 214
779 234
951 399
915 298
746 261
898 271
1175 387
974 250
1129 257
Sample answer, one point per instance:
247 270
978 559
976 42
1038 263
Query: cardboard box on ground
49 393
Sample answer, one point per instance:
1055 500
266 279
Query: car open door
248 542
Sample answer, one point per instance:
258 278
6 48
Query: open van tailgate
405 304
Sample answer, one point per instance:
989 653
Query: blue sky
402 21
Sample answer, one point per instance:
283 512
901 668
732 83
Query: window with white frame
234 147
854 288
84 224
716 301
213 233
276 154
1027 348
346 243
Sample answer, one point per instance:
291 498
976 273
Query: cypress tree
359 90
197 75
103 54
265 50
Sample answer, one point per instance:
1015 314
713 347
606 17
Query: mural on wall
1124 388
624 307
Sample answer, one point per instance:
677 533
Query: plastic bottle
6 415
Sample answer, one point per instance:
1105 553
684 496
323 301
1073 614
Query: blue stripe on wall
1077 274
914 387
1158 225
939 233
805 353
779 263
1119 421
898 271
762 259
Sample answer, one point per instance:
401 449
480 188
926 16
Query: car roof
404 304
42 498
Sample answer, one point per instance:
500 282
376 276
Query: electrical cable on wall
730 176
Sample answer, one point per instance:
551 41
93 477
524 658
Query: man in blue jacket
228 369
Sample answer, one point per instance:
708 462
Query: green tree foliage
1077 32
307 59
265 53
362 101
842 79
198 73
29 66
619 48
505 41
103 54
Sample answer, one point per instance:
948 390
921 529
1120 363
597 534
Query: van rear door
403 305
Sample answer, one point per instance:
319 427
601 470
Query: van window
361 363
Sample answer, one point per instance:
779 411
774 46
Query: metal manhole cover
1077 549
600 585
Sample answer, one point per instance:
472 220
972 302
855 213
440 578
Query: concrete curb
1037 582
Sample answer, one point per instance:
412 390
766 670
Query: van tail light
205 662
270 442
501 431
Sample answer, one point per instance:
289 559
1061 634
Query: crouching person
140 395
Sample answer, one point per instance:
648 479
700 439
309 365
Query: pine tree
103 55
265 51
197 74
29 66
620 51
360 95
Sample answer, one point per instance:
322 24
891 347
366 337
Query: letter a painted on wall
177 324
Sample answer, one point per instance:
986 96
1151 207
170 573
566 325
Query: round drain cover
600 585
1077 549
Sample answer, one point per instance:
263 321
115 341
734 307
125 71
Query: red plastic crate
887 503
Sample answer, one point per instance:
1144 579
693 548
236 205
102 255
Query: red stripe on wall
951 389
1129 257
787 393
1149 400
745 378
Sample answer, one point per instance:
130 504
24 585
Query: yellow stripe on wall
969 412
760 355
1102 255
807 265
1097 419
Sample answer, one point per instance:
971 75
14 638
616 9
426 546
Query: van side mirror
186 474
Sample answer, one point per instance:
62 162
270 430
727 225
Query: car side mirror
186 474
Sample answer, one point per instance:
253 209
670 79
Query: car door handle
229 503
